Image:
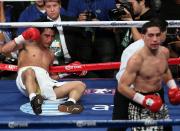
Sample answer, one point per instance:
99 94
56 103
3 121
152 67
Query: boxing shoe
36 104
70 107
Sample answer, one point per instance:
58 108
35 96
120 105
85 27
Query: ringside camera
117 13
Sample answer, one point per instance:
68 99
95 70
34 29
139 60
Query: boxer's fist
28 34
152 102
174 95
31 34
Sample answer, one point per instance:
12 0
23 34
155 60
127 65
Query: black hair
59 1
162 23
148 25
44 19
148 3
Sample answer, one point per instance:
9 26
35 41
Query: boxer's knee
28 73
81 85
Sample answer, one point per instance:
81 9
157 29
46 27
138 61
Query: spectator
31 13
156 4
17 8
6 36
64 4
94 45
174 47
5 16
138 10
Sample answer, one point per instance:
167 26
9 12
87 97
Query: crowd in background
90 45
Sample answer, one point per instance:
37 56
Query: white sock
31 96
71 99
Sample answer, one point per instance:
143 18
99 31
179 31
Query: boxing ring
15 112
97 101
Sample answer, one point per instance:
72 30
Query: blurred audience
32 12
174 48
6 33
6 36
94 45
18 7
5 16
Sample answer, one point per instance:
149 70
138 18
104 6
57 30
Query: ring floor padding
98 103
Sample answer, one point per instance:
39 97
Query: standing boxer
146 70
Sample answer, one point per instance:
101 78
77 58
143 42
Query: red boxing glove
152 102
28 34
174 95
31 34
79 73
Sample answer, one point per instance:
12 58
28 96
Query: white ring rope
85 124
171 24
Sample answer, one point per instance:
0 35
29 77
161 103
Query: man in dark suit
62 45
